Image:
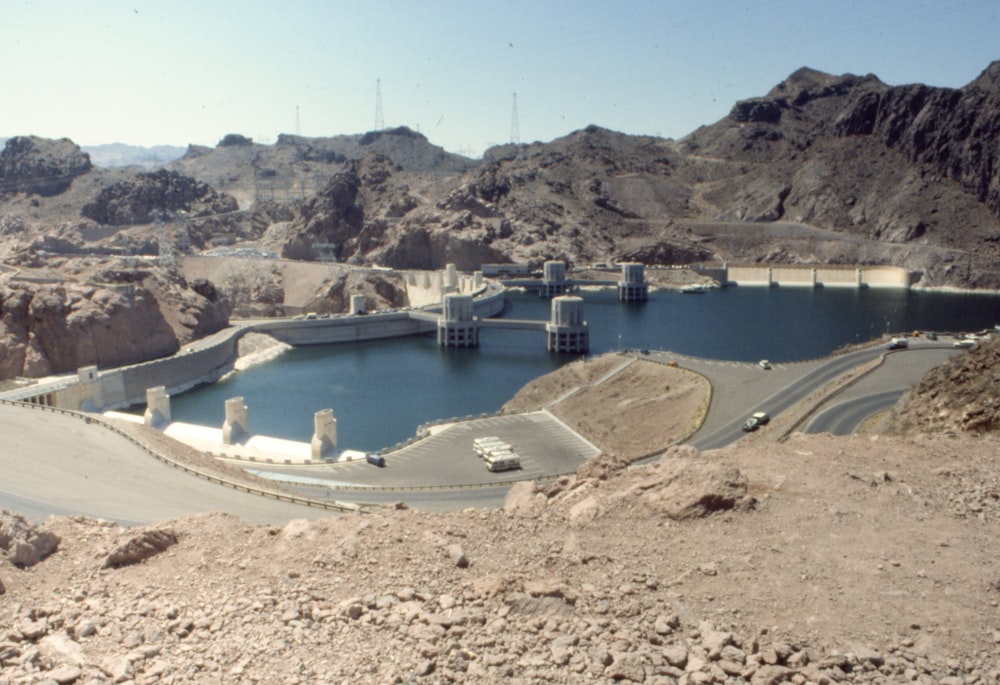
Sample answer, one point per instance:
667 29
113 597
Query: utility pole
379 122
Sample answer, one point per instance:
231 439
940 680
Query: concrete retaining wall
126 386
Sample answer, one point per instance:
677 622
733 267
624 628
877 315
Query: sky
176 72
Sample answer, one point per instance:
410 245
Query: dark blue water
381 391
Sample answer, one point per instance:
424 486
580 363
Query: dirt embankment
627 407
821 560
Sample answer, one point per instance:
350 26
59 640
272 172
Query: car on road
375 459
756 420
898 344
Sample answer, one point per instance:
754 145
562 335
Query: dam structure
632 286
810 275
453 305
566 332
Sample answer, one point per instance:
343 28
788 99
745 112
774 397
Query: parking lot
545 445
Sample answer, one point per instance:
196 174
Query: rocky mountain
822 169
35 166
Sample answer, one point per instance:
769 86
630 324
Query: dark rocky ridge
135 201
39 166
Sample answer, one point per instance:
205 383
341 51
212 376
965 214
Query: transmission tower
379 122
515 134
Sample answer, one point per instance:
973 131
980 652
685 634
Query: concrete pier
632 287
567 332
157 407
235 427
324 439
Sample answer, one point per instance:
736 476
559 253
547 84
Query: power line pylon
379 122
515 133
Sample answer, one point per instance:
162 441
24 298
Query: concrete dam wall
815 276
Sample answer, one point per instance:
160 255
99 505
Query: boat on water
694 288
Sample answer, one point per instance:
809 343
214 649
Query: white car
756 420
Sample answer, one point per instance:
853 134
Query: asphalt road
57 464
738 390
880 390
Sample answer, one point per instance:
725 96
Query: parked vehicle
756 420
502 461
898 344
483 446
764 364
375 459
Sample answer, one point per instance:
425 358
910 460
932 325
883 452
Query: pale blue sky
189 71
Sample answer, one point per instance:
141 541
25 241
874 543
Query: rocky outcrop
140 547
380 290
959 396
332 217
677 486
234 139
47 329
135 201
949 131
40 166
24 544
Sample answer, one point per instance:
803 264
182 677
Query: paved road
740 389
57 464
879 390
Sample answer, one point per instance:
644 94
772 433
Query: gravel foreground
818 560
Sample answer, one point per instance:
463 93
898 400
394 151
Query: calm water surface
381 391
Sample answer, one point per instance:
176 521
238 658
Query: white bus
502 461
483 446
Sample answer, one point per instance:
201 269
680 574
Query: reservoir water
382 391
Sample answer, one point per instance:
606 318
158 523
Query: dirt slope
820 560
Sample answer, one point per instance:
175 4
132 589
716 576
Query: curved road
845 418
53 463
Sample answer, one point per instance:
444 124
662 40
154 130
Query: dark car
375 459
